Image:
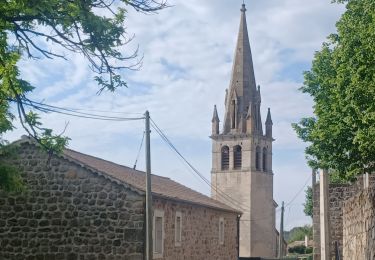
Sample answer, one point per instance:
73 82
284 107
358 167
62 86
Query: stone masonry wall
200 232
338 194
69 212
359 226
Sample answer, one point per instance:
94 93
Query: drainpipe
238 236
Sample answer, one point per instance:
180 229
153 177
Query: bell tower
241 173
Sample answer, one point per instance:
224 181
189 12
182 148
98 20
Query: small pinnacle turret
269 124
215 122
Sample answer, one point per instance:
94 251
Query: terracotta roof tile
161 186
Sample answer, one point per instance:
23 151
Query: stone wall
69 212
338 194
359 226
200 232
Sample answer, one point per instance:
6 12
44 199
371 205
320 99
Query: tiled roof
161 186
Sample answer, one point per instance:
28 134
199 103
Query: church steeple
242 89
242 154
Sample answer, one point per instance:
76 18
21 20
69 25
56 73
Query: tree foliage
298 233
92 28
10 179
342 84
308 205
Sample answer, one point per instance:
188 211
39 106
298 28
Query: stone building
78 206
359 226
342 204
242 175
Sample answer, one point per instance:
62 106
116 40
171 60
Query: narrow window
178 229
221 231
225 158
237 157
257 158
158 233
233 114
264 159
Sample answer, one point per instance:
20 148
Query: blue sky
188 51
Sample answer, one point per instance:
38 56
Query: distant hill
298 234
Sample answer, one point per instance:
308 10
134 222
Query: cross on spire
243 9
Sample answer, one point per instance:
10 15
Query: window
257 158
237 157
221 231
178 229
225 158
158 233
264 159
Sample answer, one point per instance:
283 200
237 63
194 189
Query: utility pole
149 215
324 216
281 236
313 190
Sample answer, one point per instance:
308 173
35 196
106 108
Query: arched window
225 158
257 158
264 159
237 157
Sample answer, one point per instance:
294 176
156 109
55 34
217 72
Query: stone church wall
68 212
359 226
200 232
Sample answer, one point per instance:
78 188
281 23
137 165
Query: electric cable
218 191
54 109
139 151
295 196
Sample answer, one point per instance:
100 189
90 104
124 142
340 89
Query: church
242 175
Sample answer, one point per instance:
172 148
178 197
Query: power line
103 111
75 113
81 109
219 192
139 151
173 148
295 196
165 138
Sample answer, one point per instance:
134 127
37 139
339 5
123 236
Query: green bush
301 249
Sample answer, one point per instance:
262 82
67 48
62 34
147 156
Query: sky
187 52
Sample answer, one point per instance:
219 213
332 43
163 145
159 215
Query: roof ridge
110 162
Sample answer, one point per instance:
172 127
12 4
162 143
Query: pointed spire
269 124
215 122
243 78
269 119
242 86
215 117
